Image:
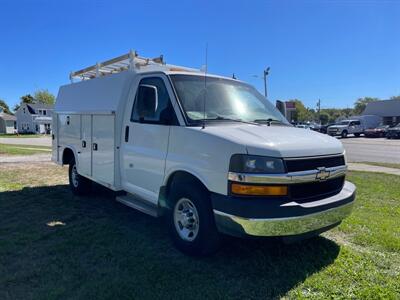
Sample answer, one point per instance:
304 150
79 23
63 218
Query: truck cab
346 127
209 153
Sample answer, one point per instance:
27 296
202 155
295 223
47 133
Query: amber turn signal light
259 190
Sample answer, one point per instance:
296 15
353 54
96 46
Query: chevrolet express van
208 153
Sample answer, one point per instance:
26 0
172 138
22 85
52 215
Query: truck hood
278 141
338 126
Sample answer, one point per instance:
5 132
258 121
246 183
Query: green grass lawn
388 165
6 149
54 245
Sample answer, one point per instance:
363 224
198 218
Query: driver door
145 144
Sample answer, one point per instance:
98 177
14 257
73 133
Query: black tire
79 185
357 134
344 134
207 239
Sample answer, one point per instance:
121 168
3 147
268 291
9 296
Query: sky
336 51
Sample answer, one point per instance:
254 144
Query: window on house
44 112
23 109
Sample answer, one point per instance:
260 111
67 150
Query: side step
139 204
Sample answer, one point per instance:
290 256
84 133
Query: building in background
8 123
287 108
290 110
388 110
34 118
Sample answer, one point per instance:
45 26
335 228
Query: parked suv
346 127
209 153
393 132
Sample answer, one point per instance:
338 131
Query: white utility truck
209 153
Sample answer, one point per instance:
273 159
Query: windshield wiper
269 121
233 120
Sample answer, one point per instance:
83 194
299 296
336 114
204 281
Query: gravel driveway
36 141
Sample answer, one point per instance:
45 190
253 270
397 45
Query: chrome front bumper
294 225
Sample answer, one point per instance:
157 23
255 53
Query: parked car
346 127
315 127
304 126
393 132
324 128
215 160
379 131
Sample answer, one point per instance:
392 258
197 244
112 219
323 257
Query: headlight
242 163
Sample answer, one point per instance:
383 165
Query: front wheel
79 185
344 134
191 220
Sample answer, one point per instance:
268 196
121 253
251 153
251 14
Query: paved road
372 150
35 141
358 149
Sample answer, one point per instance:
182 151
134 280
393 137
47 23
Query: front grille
306 192
296 165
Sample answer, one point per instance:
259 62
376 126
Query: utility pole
319 110
266 72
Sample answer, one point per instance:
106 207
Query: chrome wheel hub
74 176
186 219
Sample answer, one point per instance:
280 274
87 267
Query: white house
34 118
7 122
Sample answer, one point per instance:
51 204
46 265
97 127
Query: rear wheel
344 134
79 185
191 220
357 134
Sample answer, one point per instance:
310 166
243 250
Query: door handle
126 134
83 144
94 146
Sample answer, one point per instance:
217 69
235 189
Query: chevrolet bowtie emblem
322 174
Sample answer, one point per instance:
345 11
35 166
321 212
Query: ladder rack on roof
118 64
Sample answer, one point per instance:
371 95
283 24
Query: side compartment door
145 146
103 133
85 156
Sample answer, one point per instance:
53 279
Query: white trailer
209 152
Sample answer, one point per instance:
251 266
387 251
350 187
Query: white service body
92 121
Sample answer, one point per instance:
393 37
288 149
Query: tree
5 107
302 113
361 103
27 99
16 106
44 96
324 118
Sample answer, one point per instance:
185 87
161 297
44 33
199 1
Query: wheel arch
68 155
183 176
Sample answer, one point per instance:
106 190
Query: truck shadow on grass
53 244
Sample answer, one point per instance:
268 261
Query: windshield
225 99
344 123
